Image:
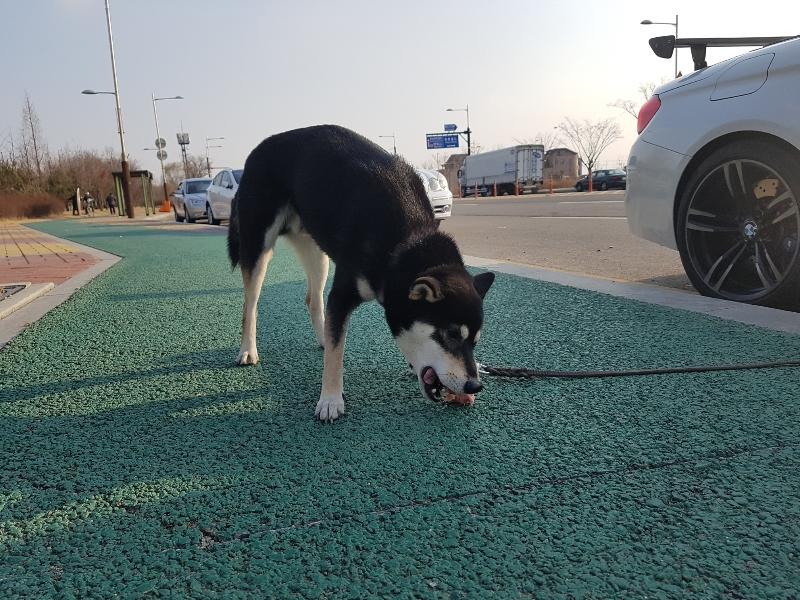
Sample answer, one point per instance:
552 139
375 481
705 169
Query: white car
438 191
189 200
220 194
715 174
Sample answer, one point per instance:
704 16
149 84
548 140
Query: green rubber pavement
137 460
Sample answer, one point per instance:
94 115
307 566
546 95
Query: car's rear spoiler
665 45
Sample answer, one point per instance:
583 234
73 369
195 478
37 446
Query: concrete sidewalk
51 269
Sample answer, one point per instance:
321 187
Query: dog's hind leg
253 280
315 263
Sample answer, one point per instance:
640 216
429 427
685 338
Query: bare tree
435 162
33 148
631 106
195 167
548 139
590 139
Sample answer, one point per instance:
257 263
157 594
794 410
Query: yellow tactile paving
17 241
27 255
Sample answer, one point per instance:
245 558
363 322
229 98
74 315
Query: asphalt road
577 232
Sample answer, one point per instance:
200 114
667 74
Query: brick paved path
27 255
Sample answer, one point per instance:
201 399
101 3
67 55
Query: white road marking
592 202
566 217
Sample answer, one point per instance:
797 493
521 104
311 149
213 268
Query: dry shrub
34 205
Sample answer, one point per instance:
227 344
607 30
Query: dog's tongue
429 376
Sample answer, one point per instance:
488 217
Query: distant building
561 165
450 171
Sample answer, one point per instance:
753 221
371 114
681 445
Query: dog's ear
483 282
426 288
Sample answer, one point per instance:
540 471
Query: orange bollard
494 189
551 185
516 188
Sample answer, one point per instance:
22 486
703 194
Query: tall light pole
675 25
468 131
394 141
165 206
126 172
208 161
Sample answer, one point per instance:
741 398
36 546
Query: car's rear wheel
738 225
178 218
210 213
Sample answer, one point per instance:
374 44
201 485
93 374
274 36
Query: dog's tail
233 233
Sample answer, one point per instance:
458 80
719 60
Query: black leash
510 372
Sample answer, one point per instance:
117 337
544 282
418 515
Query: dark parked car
603 179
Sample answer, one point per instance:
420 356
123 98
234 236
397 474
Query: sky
251 68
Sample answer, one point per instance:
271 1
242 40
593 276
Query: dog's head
436 325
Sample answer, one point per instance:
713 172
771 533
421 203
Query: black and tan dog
333 193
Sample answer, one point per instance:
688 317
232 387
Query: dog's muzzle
438 392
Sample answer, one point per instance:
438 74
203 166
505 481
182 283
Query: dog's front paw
329 408
247 356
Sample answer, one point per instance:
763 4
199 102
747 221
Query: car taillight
647 112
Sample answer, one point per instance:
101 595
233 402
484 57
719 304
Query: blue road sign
450 127
436 141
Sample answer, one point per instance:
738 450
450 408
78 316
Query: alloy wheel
742 229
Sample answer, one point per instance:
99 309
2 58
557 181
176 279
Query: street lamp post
126 171
208 161
165 207
675 25
468 131
394 141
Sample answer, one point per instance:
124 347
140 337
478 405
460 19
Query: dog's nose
473 386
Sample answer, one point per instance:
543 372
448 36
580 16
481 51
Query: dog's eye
454 334
450 336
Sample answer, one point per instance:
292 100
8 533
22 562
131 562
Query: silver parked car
220 194
189 200
438 191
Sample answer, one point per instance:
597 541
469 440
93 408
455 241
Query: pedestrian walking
75 209
88 203
111 203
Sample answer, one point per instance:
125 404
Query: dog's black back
355 199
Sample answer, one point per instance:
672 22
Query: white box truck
506 170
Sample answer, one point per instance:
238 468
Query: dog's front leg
342 299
